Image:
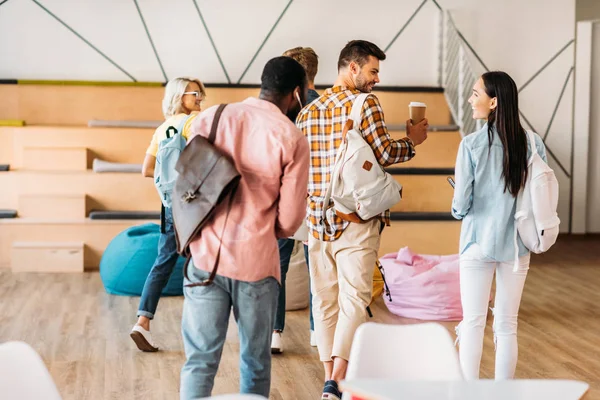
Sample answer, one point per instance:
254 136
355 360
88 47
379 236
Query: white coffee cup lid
417 104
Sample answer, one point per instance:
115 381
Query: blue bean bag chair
128 259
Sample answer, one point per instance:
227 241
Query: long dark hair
505 118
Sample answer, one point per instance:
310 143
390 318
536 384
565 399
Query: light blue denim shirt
486 210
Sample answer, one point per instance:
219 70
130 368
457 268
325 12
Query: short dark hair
359 52
281 76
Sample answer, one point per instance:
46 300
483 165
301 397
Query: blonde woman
181 104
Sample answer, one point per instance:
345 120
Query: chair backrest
406 352
23 375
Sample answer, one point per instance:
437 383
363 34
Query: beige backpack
359 185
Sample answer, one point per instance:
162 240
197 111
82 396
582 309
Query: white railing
458 77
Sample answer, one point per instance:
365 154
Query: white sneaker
313 339
143 339
276 343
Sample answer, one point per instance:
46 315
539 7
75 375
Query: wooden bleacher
53 189
438 151
424 193
94 234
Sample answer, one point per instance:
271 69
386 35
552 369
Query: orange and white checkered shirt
322 122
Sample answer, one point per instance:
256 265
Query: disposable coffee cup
417 111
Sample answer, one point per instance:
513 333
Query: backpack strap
175 131
516 242
209 280
356 120
179 128
357 109
213 129
531 139
182 124
163 227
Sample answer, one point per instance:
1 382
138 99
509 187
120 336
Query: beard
363 85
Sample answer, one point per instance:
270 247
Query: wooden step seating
38 158
127 145
94 234
422 192
432 128
438 151
9 102
6 145
422 220
116 191
430 237
66 105
54 191
395 106
123 145
53 188
106 191
47 256
76 105
426 237
45 205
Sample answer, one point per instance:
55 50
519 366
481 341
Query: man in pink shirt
272 156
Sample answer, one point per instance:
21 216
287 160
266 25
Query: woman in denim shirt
491 169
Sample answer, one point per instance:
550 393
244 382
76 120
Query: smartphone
451 181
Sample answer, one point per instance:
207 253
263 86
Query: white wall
519 37
34 45
512 35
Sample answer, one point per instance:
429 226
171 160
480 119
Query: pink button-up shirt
272 156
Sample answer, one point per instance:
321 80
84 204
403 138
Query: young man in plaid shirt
342 263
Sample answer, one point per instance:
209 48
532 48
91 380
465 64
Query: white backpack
359 183
536 219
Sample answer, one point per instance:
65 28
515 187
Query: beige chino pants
341 275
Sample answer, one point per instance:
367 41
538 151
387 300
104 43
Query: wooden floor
83 334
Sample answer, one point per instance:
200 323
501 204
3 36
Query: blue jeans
161 270
286 247
206 311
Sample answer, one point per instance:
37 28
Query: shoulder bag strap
215 124
209 280
353 122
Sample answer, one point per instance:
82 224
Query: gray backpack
169 150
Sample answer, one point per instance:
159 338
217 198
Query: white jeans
476 274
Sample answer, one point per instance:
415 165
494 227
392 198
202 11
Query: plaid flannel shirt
322 123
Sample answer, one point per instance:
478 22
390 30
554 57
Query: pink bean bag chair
423 286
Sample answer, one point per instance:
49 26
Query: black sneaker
331 391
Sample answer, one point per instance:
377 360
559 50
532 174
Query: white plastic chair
23 375
403 352
237 396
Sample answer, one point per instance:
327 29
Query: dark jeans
286 246
310 314
161 270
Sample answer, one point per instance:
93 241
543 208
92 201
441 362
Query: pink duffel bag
423 287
